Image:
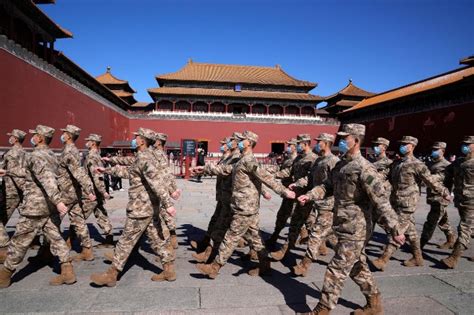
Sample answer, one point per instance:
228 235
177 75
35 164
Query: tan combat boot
450 240
211 270
174 239
302 268
67 275
373 306
168 273
86 254
204 256
264 266
304 236
382 261
109 255
416 260
5 277
452 260
320 310
199 246
108 278
323 250
280 254
3 254
250 256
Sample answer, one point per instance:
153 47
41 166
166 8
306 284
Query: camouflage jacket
284 173
301 168
224 171
72 178
405 176
358 190
92 162
461 174
383 166
247 179
146 185
14 163
162 160
41 193
438 171
319 173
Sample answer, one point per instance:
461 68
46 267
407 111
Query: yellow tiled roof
351 90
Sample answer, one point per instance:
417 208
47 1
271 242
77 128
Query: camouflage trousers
158 234
132 231
298 219
26 230
7 208
437 216
466 225
283 214
100 214
241 226
318 233
170 221
222 224
407 226
349 260
78 222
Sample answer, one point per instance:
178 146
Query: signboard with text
189 147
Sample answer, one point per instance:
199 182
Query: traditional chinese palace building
346 98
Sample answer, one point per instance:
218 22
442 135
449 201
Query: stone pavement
429 289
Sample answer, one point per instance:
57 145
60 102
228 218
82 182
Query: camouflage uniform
38 210
12 190
322 209
438 215
146 185
355 184
247 179
75 187
91 163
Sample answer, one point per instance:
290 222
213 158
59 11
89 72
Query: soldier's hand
400 239
171 211
303 199
176 194
2 172
100 170
290 194
105 159
62 209
267 195
292 186
92 197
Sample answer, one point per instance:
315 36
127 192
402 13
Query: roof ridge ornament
190 60
108 69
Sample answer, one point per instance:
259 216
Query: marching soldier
355 185
438 215
382 162
322 209
461 174
39 210
247 179
13 163
146 184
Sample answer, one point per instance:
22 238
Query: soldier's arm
122 160
47 178
78 172
214 169
283 173
15 164
155 181
252 167
97 179
118 171
425 175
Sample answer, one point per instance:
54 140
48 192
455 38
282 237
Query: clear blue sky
379 44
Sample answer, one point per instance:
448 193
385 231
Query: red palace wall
447 124
214 131
30 96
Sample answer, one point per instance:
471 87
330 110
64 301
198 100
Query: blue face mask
299 148
317 148
343 148
465 149
229 145
288 150
403 149
134 144
63 139
221 149
241 146
435 154
377 150
32 142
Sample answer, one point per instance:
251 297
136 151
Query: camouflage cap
73 130
94 137
381 140
17 133
468 139
325 137
409 139
161 136
352 129
236 135
225 140
145 133
439 145
249 135
43 130
291 141
303 137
